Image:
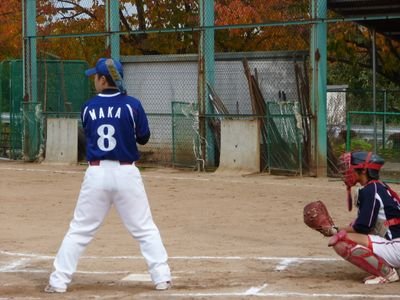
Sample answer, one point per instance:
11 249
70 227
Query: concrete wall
62 141
240 146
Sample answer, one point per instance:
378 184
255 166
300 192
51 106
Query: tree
163 14
69 16
261 38
10 29
350 48
349 44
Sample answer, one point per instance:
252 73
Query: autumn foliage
10 29
141 20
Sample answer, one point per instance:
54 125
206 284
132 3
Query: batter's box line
283 262
168 176
15 265
251 292
283 295
203 257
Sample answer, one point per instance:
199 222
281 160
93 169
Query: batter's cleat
162 286
51 289
392 277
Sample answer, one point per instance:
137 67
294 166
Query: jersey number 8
106 141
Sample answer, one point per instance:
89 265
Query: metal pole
29 50
206 76
348 128
113 28
31 138
374 87
384 118
318 57
201 91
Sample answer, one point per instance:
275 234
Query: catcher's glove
316 216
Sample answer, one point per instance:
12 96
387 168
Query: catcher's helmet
358 160
367 160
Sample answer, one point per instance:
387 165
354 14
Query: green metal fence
63 87
378 132
214 37
284 137
11 108
281 144
185 135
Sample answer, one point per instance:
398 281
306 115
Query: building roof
371 8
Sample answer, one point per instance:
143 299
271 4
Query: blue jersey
375 203
113 123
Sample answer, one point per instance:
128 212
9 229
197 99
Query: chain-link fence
163 83
381 136
62 87
191 66
353 124
11 108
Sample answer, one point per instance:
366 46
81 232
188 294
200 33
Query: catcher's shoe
392 277
162 286
51 289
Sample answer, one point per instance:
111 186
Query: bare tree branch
76 7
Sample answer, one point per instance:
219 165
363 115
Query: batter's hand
316 216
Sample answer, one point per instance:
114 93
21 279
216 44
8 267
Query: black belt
97 162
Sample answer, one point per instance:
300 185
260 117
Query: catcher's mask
349 162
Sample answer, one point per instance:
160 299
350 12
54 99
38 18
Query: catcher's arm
316 216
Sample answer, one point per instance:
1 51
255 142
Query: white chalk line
32 255
144 175
285 263
42 170
168 295
142 277
272 294
256 291
285 260
77 272
14 265
17 298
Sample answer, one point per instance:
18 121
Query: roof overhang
390 9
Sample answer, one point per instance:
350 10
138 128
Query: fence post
31 128
384 118
318 57
348 131
112 24
206 76
373 37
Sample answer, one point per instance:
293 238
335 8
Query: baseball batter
113 123
372 240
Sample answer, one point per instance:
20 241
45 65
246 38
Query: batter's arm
142 129
142 140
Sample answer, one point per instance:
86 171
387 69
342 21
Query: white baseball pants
103 186
388 250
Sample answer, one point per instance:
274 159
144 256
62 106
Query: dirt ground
228 236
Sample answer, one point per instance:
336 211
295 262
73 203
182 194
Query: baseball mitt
316 216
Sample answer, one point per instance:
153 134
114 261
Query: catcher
372 240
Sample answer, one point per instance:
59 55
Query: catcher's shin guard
358 255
